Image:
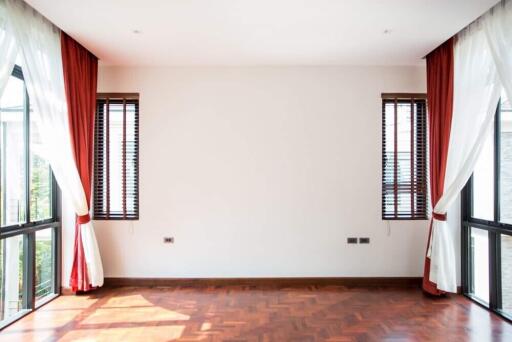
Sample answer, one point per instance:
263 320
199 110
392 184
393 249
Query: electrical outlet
351 240
169 239
364 240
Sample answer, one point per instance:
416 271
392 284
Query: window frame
494 228
99 187
29 228
414 214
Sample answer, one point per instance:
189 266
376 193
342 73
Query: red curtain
80 78
440 106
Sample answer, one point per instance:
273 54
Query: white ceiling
261 32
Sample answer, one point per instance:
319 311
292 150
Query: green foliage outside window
40 189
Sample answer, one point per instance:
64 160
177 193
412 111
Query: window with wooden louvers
404 157
116 157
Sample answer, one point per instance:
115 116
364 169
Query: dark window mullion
464 237
497 163
28 288
497 271
107 152
413 191
471 262
494 245
493 276
55 259
395 166
26 118
29 272
497 209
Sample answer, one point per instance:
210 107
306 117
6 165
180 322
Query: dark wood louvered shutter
404 157
116 157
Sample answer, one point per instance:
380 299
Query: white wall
259 172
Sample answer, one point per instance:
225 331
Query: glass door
29 224
487 220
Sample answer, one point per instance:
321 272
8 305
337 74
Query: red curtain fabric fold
440 108
80 78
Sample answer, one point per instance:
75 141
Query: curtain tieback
439 217
84 219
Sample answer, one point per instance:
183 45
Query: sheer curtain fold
476 95
39 43
498 29
8 50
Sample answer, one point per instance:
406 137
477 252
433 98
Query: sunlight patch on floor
206 326
141 333
127 301
131 309
133 315
42 324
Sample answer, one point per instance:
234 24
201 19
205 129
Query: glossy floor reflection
259 314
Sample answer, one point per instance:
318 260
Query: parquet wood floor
235 313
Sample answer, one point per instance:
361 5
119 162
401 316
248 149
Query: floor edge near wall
398 282
414 282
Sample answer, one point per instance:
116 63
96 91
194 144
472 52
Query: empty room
241 170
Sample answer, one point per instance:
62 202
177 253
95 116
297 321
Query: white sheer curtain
482 66
498 29
8 49
38 41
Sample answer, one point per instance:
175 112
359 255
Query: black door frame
28 232
495 229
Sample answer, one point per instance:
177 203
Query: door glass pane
404 157
506 160
116 155
389 160
11 276
483 182
506 273
44 263
479 264
40 178
12 154
131 158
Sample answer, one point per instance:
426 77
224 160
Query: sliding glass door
29 225
487 220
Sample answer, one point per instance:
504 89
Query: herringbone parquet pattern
231 313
